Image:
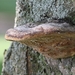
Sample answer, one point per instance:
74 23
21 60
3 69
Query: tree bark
23 60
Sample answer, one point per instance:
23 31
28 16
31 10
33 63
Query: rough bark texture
22 60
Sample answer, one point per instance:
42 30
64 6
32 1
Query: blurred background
7 15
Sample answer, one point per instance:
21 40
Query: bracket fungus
56 40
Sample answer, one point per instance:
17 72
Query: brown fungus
56 40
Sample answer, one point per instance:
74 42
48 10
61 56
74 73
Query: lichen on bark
42 10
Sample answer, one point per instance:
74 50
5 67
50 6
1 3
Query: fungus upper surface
56 40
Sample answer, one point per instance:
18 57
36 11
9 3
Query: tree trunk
23 60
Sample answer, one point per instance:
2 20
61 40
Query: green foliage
7 6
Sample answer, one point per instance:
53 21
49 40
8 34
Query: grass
3 45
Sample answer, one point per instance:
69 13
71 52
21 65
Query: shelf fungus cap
56 40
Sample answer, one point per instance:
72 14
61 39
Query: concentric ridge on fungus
56 40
